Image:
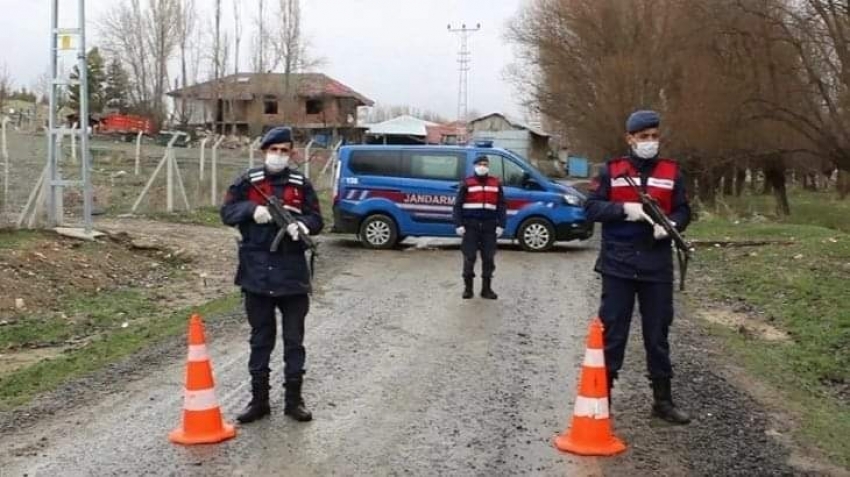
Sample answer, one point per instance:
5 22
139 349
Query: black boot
663 406
259 405
467 288
487 292
295 407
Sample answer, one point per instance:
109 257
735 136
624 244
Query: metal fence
136 177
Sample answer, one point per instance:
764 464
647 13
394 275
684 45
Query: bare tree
187 30
262 51
145 37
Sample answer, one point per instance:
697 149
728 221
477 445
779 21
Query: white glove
634 212
659 233
296 229
262 215
460 230
499 231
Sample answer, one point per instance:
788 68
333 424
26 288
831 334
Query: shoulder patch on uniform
256 176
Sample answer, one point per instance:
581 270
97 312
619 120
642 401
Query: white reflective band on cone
200 400
198 353
590 407
594 358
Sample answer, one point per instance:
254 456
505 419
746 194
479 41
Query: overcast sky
393 51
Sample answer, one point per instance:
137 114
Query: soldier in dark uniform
278 280
480 213
636 257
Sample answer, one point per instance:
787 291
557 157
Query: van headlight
573 200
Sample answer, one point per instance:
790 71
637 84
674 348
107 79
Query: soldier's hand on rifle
460 231
296 229
634 213
262 215
499 231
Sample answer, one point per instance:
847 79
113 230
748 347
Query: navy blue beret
640 120
276 136
481 159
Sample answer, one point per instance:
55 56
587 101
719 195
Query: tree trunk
728 180
707 188
740 181
777 180
843 184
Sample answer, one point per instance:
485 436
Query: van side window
376 163
506 171
513 174
437 165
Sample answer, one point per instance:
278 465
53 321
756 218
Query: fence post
74 143
307 158
214 171
202 160
253 147
5 121
169 177
139 153
166 160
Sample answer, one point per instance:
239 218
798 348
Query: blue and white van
385 194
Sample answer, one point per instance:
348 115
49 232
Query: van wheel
379 232
536 235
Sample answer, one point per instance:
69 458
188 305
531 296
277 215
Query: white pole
254 146
202 160
139 153
74 143
307 159
169 178
5 168
214 172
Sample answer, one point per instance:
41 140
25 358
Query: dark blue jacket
260 271
459 214
628 248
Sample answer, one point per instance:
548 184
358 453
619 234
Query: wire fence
137 177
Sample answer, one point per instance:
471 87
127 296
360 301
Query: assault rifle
684 250
282 218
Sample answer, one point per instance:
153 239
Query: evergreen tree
96 82
117 87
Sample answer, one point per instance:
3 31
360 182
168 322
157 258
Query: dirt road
404 378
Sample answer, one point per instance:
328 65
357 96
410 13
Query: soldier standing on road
480 213
279 280
636 257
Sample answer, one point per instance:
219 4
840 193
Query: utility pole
61 40
464 61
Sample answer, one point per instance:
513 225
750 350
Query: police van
385 194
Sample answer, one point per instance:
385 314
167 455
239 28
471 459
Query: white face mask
276 162
482 170
646 149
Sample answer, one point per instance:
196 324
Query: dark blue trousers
261 316
480 236
656 310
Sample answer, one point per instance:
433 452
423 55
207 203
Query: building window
270 105
315 106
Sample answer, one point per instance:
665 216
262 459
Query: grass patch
803 289
85 315
201 216
12 239
824 209
19 387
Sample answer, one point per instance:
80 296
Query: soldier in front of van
278 280
480 213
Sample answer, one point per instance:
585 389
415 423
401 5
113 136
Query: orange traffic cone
202 421
590 433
